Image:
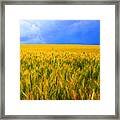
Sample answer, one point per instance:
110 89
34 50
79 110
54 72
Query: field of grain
59 72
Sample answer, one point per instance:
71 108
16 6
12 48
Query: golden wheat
59 72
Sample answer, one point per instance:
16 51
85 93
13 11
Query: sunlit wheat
59 72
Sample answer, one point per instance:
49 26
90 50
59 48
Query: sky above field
60 32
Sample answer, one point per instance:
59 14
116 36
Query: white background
106 15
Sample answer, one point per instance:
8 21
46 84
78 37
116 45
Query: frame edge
117 9
2 59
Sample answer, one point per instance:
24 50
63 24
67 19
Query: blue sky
60 32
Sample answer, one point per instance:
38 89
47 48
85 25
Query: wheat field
59 72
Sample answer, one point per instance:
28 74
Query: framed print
60 59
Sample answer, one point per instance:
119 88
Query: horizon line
57 44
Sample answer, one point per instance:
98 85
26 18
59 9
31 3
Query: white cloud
29 29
